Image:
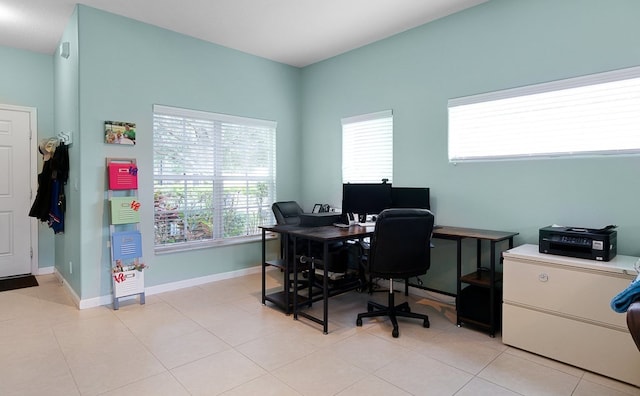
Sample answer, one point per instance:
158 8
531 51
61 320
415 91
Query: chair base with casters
392 311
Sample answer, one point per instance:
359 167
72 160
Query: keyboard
368 224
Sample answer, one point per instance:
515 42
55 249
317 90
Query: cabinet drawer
570 291
595 348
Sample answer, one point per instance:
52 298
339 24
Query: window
367 148
214 177
594 114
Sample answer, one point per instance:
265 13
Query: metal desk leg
325 288
492 291
264 265
459 274
478 255
294 307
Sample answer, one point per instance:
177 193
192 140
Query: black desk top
325 233
448 232
338 233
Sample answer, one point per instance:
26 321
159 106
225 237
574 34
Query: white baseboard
443 298
200 281
69 289
166 287
45 271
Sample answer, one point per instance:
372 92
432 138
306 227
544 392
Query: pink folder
123 176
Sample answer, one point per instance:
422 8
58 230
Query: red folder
123 176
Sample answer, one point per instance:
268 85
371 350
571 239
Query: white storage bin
128 283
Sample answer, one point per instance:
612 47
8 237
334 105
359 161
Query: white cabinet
558 307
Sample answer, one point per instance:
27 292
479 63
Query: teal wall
122 67
27 80
67 113
125 67
499 44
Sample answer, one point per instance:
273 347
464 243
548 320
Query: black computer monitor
365 198
410 197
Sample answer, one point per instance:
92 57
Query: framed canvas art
119 132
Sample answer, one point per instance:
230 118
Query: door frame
33 175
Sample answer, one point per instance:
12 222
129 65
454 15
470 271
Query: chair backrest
633 321
400 243
287 212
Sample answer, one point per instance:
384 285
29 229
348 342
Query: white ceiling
295 32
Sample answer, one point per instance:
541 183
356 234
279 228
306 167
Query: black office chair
287 212
399 249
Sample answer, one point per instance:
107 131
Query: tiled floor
219 339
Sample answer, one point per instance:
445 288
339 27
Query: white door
15 190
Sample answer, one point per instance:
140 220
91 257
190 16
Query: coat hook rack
65 137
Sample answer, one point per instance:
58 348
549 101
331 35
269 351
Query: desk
291 299
485 279
326 235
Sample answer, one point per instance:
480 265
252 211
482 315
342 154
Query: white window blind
367 148
594 114
214 176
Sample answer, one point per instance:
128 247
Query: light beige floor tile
36 372
459 351
318 374
587 388
217 373
187 299
179 350
417 374
98 332
163 384
625 388
554 364
103 354
373 386
56 313
266 385
276 350
240 327
527 377
479 387
17 305
410 332
368 352
157 322
249 303
225 291
218 337
213 315
97 372
311 332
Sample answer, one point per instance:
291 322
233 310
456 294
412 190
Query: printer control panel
573 240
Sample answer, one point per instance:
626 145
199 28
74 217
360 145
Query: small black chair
287 212
399 249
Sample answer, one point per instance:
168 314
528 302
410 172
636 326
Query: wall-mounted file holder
124 210
126 245
123 175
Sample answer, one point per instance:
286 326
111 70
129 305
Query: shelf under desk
486 278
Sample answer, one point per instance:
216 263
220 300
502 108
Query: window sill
197 245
